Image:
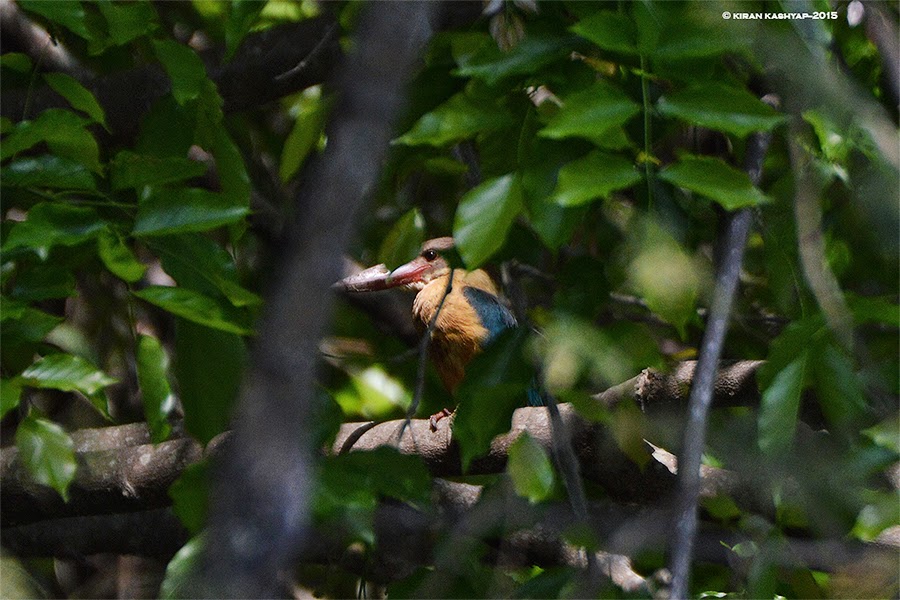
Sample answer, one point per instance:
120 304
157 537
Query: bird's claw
433 420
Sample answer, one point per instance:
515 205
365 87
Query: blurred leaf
838 388
665 276
884 434
31 325
712 178
553 223
10 393
496 384
720 107
484 217
874 310
241 17
458 118
16 61
721 507
167 129
233 178
877 516
47 171
126 21
196 307
594 176
610 30
351 484
190 496
373 394
152 372
77 95
50 281
118 258
302 139
208 367
530 469
536 50
779 407
181 567
681 31
185 209
70 15
62 130
184 68
592 113
131 170
796 338
47 452
50 224
404 240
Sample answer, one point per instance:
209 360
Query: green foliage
47 452
592 147
530 469
496 384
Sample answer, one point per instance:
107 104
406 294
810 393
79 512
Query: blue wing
494 316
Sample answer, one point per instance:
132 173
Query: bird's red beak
379 277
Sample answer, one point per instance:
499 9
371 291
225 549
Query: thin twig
312 53
423 357
694 439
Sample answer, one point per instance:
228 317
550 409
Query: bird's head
430 264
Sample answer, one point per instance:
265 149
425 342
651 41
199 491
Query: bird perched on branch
461 308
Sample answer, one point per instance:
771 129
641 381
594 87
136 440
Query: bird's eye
429 255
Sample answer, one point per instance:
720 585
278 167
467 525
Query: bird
465 306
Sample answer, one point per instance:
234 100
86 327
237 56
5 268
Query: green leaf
884 434
31 325
720 107
70 15
233 178
50 281
10 393
67 373
47 452
16 61
535 50
77 95
241 17
610 30
184 68
458 118
196 307
530 469
126 21
302 139
54 224
712 178
190 496
594 176
62 130
208 367
180 569
496 384
665 275
484 217
839 389
780 406
47 171
199 263
592 113
404 240
130 170
118 258
183 210
152 372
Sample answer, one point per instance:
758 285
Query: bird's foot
433 421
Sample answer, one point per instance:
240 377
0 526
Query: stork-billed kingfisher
471 316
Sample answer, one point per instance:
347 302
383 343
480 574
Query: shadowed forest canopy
691 209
